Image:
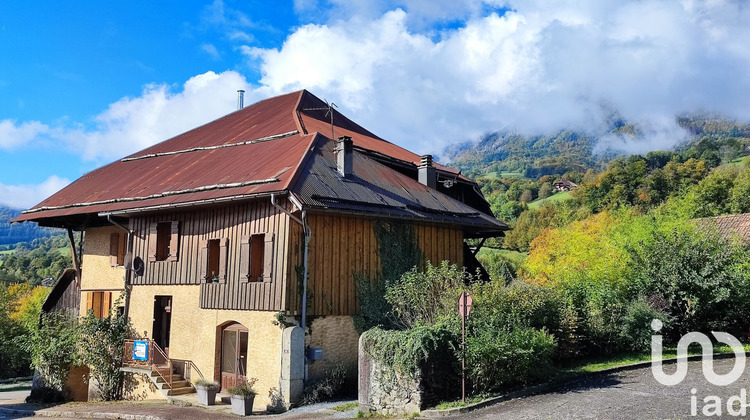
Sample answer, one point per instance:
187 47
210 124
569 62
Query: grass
514 256
561 196
598 364
496 175
345 407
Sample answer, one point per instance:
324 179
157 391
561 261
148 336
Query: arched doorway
233 350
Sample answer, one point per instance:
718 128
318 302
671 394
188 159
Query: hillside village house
204 238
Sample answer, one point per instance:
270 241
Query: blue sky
83 83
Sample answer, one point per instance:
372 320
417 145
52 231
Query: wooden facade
341 246
230 225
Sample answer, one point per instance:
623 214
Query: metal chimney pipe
344 158
426 172
240 99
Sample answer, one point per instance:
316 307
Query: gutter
128 264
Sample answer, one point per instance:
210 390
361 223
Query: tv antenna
329 110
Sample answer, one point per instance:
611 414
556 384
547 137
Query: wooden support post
476 250
74 255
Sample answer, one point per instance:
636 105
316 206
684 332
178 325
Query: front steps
180 386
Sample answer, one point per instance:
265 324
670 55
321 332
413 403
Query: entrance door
162 321
233 355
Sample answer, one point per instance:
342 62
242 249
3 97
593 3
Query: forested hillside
19 232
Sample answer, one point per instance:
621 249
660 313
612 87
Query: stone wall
385 391
338 339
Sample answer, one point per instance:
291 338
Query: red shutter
174 242
223 260
114 248
245 259
203 261
152 234
268 258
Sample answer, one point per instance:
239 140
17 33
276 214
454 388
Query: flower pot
242 406
206 395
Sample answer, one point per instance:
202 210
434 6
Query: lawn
495 175
514 256
561 196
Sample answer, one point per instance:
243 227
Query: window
99 303
213 260
163 241
256 258
117 247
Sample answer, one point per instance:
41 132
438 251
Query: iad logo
707 357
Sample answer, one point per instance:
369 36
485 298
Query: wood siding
341 246
195 228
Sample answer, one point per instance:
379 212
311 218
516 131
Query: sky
85 83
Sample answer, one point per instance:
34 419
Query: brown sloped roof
258 150
731 226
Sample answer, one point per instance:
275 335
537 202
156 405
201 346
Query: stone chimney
344 160
427 171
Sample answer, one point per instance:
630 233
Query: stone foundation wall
339 339
385 391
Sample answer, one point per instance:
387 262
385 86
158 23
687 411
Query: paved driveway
631 394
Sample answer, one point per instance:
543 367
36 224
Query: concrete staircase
179 385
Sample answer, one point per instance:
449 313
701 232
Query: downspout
308 235
128 266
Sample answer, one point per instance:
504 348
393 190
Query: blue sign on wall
140 350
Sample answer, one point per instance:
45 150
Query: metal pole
463 349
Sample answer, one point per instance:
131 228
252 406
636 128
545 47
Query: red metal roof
257 150
731 226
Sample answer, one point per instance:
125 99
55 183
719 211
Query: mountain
20 232
505 152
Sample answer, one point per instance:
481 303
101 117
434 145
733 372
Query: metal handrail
166 362
188 366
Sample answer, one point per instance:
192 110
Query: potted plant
206 391
243 396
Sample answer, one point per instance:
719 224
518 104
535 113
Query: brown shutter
268 258
223 260
174 241
97 304
114 248
203 261
106 303
89 302
122 249
152 234
245 259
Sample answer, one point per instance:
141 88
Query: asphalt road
631 394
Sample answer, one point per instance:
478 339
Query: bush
499 359
53 348
326 388
636 328
244 389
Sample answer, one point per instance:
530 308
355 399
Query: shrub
424 298
325 389
636 328
498 359
104 358
208 384
53 348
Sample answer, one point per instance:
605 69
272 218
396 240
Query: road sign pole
463 349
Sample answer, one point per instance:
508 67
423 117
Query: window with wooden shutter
99 303
268 258
203 262
245 259
216 260
164 241
256 257
117 249
114 248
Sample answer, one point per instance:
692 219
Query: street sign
464 304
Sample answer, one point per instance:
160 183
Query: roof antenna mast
329 110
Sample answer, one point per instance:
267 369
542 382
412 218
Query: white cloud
14 135
26 196
539 67
159 113
211 50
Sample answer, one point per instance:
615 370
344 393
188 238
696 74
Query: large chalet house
208 239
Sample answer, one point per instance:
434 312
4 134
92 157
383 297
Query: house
730 226
564 185
208 239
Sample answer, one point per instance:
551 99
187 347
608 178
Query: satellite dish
138 266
